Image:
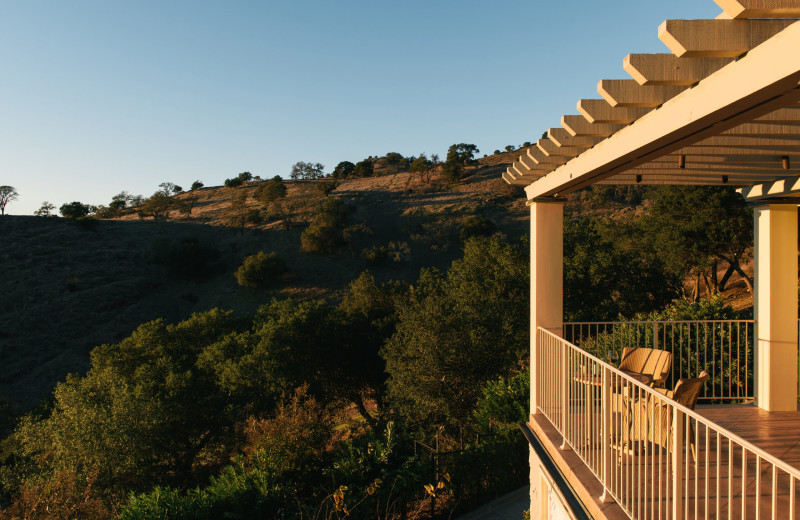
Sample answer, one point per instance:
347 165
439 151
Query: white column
775 306
547 277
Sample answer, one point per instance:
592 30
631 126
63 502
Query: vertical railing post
564 395
655 335
605 439
678 427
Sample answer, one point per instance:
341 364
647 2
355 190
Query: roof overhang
723 109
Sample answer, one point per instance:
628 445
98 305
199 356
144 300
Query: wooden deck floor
777 433
717 476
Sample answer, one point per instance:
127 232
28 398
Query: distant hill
70 286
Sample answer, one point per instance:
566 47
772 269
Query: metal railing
654 457
723 348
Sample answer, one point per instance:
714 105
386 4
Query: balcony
628 451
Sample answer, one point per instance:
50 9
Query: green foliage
157 206
326 187
45 210
476 226
457 331
325 231
365 168
144 414
344 170
196 185
233 182
271 190
253 216
694 226
7 194
451 171
260 270
186 259
375 255
75 210
607 273
505 402
304 170
461 154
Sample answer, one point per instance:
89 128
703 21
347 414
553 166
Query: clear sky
101 96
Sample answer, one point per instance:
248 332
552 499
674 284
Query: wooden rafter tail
668 69
628 93
600 111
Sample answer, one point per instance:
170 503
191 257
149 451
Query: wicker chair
653 363
659 416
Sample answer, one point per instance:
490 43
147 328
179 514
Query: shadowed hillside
70 286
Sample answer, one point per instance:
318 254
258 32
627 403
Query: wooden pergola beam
765 129
760 8
713 151
763 81
629 93
578 126
717 38
668 69
548 147
599 111
561 137
540 158
746 141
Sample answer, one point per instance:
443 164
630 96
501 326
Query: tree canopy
304 170
7 194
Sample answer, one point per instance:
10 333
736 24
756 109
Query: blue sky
97 97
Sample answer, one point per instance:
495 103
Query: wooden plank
563 138
717 38
540 158
548 147
760 8
764 80
628 93
599 111
668 69
578 126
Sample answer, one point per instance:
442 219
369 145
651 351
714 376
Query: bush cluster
325 231
260 270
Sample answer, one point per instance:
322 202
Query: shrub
233 183
75 210
375 255
271 190
196 185
260 270
326 187
476 227
325 232
254 216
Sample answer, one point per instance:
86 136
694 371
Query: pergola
722 108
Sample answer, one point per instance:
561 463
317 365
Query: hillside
70 286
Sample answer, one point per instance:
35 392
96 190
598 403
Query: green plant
260 270
375 255
254 216
475 226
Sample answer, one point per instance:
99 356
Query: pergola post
547 277
775 306
547 309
